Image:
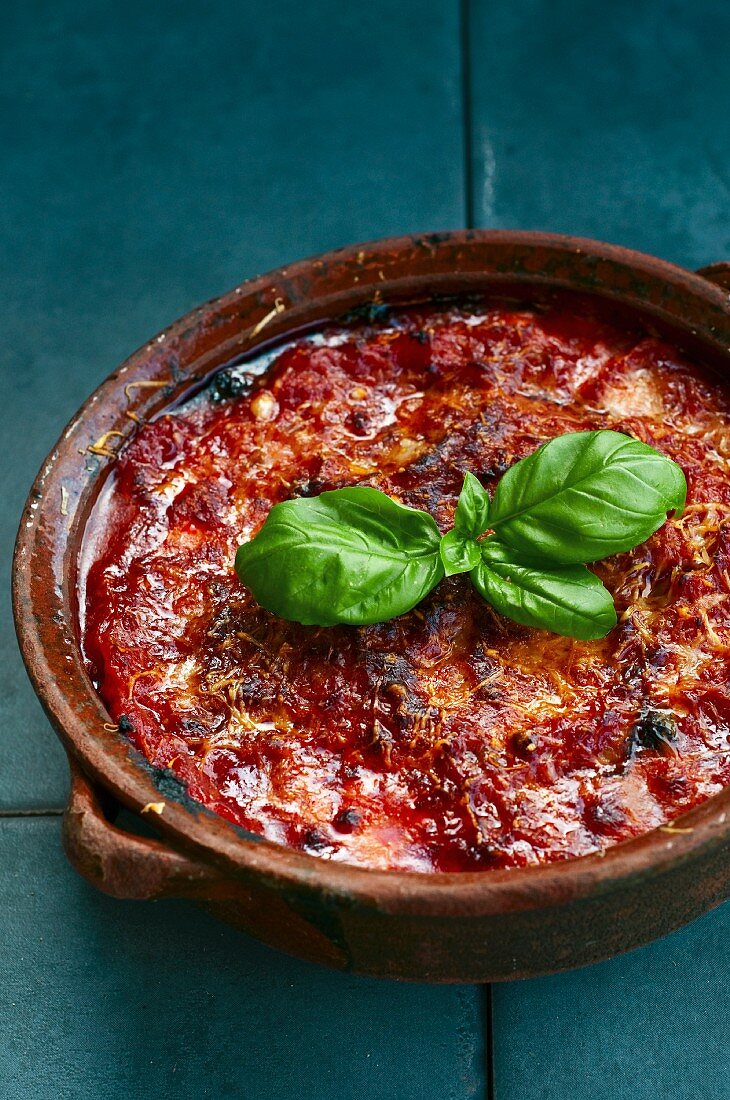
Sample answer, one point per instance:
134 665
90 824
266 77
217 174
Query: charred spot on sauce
523 743
346 821
450 739
654 730
314 841
229 383
358 422
194 730
307 487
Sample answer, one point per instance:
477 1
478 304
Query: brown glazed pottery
436 927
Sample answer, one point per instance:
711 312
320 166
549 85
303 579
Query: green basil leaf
569 600
458 554
584 496
472 509
347 556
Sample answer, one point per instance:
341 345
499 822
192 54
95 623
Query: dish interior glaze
449 739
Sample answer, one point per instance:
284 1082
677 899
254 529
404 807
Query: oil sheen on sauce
449 739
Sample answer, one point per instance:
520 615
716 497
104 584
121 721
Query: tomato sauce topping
449 739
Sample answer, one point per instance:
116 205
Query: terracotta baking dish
441 927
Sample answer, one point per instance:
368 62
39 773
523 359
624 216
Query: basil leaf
472 508
458 554
347 556
584 496
569 600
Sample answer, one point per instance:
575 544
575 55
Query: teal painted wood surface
608 120
154 155
650 1026
151 1001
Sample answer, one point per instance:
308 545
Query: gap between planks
487 1009
466 111
30 813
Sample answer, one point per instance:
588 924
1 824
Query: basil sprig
356 556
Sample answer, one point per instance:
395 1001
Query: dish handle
719 274
121 863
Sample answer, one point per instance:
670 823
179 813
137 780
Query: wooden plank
652 1025
608 120
157 154
109 998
